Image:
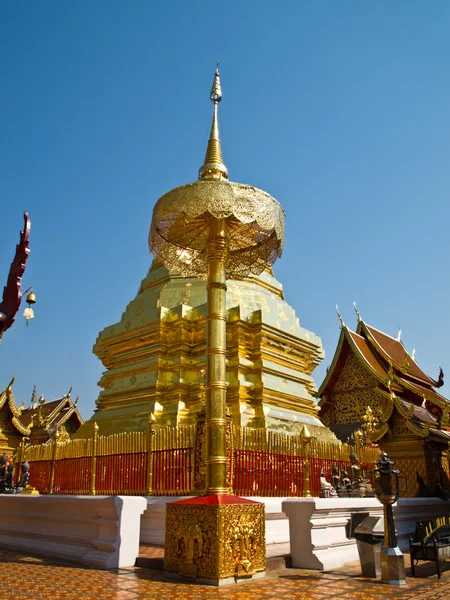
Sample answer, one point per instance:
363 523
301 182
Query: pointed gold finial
213 167
304 433
357 312
339 316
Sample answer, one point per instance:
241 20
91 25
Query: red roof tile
395 350
367 353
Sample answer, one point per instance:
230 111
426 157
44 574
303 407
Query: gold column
150 434
216 382
305 439
94 457
52 472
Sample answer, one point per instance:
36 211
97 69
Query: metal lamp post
387 491
218 230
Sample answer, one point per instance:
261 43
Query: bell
31 298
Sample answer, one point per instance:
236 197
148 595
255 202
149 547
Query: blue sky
338 109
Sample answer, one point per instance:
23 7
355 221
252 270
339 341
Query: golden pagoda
374 384
155 356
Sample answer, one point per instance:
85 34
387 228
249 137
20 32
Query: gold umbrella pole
216 381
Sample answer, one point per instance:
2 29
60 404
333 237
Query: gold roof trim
20 428
60 406
9 394
405 413
419 431
444 403
66 417
332 366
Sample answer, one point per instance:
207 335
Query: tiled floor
38 579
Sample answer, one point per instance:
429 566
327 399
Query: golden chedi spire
213 167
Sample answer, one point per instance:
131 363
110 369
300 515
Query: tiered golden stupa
155 356
374 381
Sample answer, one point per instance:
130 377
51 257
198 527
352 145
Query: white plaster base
318 530
318 526
153 522
99 531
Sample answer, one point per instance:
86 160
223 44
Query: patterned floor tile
56 580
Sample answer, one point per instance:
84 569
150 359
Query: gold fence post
305 439
52 472
94 457
150 434
19 459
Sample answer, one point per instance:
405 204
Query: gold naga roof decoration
181 218
7 396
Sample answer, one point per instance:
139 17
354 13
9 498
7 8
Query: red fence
117 474
40 475
172 472
72 476
121 474
267 474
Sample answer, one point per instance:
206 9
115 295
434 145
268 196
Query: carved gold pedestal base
392 566
215 539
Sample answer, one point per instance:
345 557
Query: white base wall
154 520
98 531
317 529
317 526
105 531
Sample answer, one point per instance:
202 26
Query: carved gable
354 375
356 389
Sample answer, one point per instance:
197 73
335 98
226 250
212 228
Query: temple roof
394 351
398 376
41 418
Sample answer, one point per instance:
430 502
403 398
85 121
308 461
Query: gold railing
277 442
163 462
167 438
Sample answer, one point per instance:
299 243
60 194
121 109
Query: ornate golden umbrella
216 229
